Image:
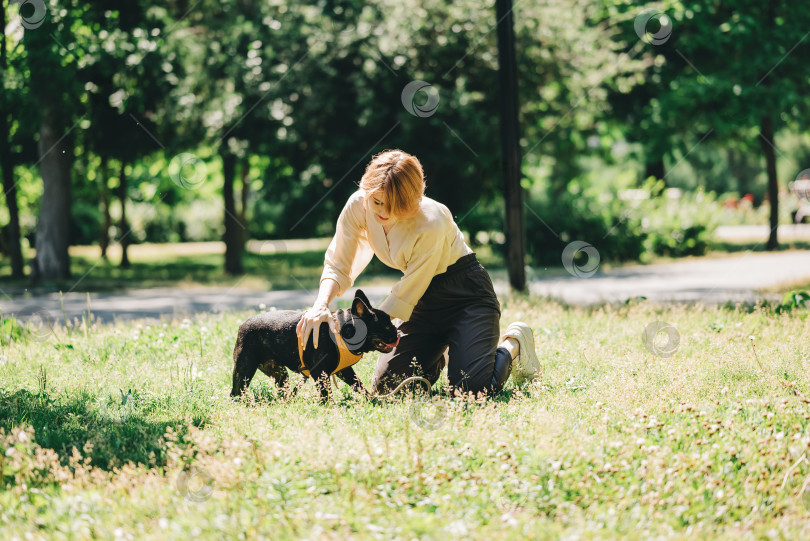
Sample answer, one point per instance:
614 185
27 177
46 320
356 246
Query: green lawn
127 431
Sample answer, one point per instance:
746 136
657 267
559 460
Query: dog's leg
349 376
323 384
279 374
245 364
295 387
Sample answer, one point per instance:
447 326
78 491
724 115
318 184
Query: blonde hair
400 177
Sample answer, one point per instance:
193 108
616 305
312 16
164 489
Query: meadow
650 421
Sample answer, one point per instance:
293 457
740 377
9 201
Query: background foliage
283 103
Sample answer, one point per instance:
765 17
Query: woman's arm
349 252
347 255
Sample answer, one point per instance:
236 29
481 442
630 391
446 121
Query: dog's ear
360 305
362 296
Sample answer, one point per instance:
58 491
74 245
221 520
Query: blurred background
132 130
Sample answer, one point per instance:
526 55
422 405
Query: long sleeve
349 252
429 253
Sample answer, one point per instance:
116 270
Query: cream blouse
421 246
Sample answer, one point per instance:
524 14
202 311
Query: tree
55 90
510 146
736 72
237 55
16 131
127 77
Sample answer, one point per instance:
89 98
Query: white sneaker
526 366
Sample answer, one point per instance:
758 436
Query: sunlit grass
131 433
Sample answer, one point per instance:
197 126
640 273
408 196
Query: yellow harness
347 358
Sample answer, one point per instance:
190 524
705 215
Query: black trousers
459 309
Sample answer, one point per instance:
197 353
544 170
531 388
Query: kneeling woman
445 297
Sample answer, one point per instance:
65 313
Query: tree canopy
254 119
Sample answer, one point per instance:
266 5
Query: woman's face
378 209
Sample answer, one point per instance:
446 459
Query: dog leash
397 389
337 318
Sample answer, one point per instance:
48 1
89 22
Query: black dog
268 342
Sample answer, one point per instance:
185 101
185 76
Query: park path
733 278
711 280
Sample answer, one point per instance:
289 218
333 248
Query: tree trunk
510 145
766 140
245 196
10 190
123 225
655 168
104 239
7 165
52 261
233 228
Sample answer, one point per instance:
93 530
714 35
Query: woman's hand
312 322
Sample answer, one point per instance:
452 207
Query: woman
445 297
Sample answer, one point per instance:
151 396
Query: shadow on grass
109 438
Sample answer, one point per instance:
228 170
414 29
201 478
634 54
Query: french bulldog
269 342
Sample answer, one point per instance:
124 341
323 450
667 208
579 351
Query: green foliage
621 224
305 93
676 227
11 330
795 300
561 219
85 223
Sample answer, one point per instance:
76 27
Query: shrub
637 226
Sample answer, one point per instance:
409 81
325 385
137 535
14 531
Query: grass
127 431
